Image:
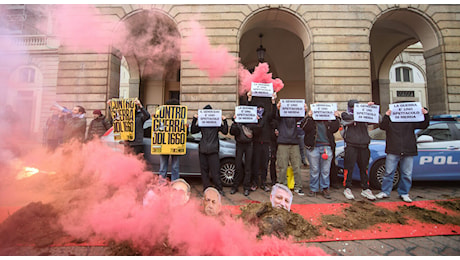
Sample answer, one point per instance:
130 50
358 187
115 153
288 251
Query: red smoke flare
260 75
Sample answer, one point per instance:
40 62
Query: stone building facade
323 53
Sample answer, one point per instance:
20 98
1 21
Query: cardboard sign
366 113
323 111
406 112
262 89
292 108
123 113
246 114
209 118
169 130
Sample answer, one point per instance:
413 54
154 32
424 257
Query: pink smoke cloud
260 75
99 194
215 61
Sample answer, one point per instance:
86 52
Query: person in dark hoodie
319 141
209 151
262 138
288 149
357 139
136 146
98 126
401 147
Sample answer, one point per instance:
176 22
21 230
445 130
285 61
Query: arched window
403 74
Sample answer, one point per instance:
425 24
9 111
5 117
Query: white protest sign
246 114
323 111
292 108
209 118
262 89
366 113
406 112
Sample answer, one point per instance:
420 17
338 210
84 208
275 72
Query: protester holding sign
288 151
319 142
176 118
357 139
262 139
401 147
209 150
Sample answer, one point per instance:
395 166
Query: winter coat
237 131
355 133
98 127
75 128
209 142
263 130
310 128
400 136
54 128
287 128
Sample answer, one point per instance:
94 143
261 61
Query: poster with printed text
262 89
366 113
169 130
406 112
292 108
246 114
209 118
123 113
323 111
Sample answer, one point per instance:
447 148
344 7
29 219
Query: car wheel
377 173
227 172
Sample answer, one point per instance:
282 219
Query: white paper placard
262 89
209 118
323 111
366 113
406 112
292 108
246 114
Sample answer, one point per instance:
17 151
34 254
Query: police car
438 153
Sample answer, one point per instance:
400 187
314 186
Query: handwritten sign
292 108
262 89
323 111
406 112
123 114
169 130
209 118
246 114
366 113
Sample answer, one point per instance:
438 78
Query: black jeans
209 165
260 161
243 171
272 152
353 155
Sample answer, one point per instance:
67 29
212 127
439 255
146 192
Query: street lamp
261 50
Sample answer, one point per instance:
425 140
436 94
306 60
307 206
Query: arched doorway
287 58
393 32
149 45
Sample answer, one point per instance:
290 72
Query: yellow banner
123 113
169 130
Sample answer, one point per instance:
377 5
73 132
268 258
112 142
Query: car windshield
377 134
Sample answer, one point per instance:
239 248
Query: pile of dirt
35 223
450 204
126 248
361 215
278 222
428 216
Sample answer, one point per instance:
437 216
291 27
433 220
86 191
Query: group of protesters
272 140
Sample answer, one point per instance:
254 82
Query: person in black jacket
401 147
137 145
209 151
357 139
319 140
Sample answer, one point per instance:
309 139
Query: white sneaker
348 194
382 195
406 198
368 194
